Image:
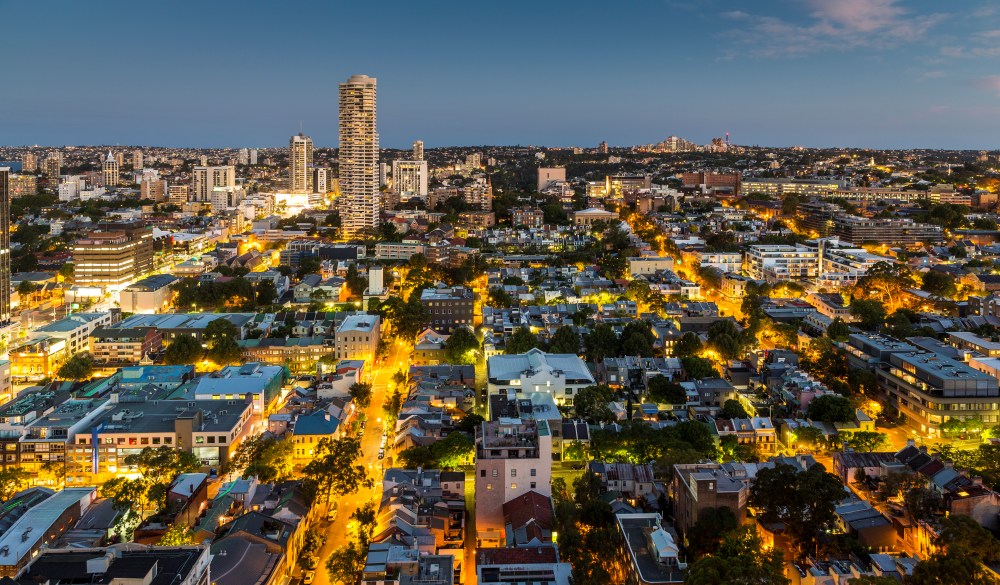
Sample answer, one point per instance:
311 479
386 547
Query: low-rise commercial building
149 295
561 376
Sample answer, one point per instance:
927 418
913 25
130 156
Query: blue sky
877 73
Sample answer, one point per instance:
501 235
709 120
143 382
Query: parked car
310 576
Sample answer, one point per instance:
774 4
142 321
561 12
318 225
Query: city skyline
857 73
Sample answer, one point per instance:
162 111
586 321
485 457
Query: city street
339 532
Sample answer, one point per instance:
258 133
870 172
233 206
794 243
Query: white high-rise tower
360 201
300 162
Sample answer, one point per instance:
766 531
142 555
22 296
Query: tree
461 347
663 390
803 501
162 464
25 289
356 284
346 562
12 480
521 341
499 298
869 313
78 367
966 548
129 495
565 340
267 459
811 436
790 204
601 342
733 409
334 470
469 423
361 393
225 351
939 283
688 345
183 350
176 535
697 368
220 329
742 559
831 408
867 441
838 330
637 339
707 534
452 451
591 404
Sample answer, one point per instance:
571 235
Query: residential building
300 162
757 432
409 179
308 430
51 166
649 265
299 354
633 481
75 329
711 183
971 342
652 554
111 259
535 564
187 565
547 176
178 194
360 200
29 162
701 486
110 345
40 527
780 262
448 307
561 376
357 337
513 457
204 179
149 295
928 389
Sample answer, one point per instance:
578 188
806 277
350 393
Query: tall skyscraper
110 170
29 163
137 160
253 156
244 156
4 244
300 162
418 150
359 198
204 179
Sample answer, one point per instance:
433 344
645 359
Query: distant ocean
15 165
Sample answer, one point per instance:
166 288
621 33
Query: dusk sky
877 73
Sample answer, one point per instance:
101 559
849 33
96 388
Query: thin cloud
841 25
989 83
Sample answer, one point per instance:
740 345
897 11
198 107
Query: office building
448 307
29 163
75 329
300 162
418 150
360 204
781 187
113 258
110 170
204 179
149 295
4 244
711 183
39 527
409 179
